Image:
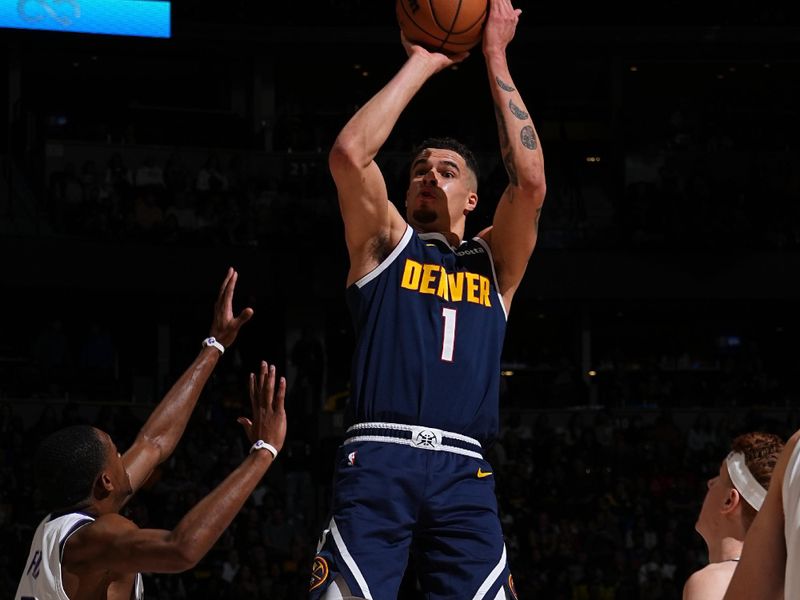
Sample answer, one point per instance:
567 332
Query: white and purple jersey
41 577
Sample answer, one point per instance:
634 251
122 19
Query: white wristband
212 341
262 445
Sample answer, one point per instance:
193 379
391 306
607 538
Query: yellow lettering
472 288
485 291
456 286
428 277
442 291
433 279
411 274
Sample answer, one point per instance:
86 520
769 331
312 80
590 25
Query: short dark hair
448 143
67 464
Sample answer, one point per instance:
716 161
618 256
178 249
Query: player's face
441 191
718 489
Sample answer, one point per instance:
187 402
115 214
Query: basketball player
84 548
732 500
429 309
769 568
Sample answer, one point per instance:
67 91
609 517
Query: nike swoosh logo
482 473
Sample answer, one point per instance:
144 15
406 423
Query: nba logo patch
351 458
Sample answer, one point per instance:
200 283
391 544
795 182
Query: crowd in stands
688 198
168 203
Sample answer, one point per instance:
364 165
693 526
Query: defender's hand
269 416
225 327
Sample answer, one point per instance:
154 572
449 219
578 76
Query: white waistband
421 437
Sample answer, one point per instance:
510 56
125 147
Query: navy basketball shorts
412 490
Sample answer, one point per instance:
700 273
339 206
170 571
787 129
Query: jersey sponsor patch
471 251
482 473
351 458
319 573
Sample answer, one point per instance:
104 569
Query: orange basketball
448 26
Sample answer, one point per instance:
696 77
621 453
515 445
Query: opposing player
732 500
768 569
429 310
84 549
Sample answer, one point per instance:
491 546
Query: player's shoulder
94 538
710 582
104 527
113 522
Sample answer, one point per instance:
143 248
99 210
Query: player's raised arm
114 544
160 434
514 229
371 222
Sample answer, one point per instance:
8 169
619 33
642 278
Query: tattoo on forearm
501 127
504 86
508 161
517 111
536 218
528 137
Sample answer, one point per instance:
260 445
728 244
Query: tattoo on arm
508 161
505 146
517 111
501 127
504 86
536 218
528 137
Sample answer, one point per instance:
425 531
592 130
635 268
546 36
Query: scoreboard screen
144 18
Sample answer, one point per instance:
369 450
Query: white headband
743 480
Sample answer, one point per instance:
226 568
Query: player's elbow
346 154
531 181
182 558
534 188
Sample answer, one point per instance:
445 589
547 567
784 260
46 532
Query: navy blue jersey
429 325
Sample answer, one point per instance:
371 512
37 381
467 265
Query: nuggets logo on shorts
427 439
511 587
319 572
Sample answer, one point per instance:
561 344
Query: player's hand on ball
441 60
500 25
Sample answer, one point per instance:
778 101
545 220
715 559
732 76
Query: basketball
448 26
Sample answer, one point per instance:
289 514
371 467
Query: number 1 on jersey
448 333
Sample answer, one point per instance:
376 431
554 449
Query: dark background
657 318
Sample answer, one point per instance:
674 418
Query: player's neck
728 548
453 237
